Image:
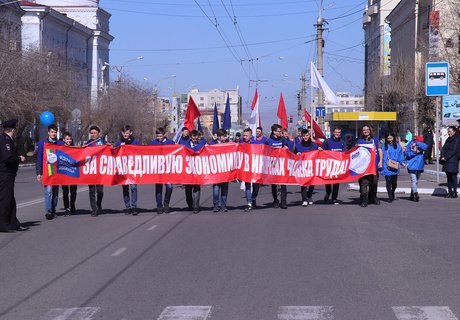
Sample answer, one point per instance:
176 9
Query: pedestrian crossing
284 313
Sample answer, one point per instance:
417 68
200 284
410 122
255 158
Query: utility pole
319 53
303 97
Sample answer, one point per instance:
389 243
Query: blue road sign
320 111
437 78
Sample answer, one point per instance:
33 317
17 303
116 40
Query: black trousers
368 187
283 192
93 190
192 195
306 192
255 190
65 195
427 153
334 188
8 219
391 183
452 181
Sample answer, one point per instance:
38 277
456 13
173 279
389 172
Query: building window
201 98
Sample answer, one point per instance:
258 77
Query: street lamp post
119 68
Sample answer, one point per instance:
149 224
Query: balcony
373 10
366 19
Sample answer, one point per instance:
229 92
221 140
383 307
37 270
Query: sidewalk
426 185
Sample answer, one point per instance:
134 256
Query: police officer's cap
10 123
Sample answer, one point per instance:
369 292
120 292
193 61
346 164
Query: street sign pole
438 135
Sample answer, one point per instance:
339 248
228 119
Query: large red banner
177 164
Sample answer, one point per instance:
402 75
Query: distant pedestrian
287 140
450 154
237 137
129 190
428 139
393 158
162 203
415 164
51 192
69 203
408 137
306 144
184 137
9 164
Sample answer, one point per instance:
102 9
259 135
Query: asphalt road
393 261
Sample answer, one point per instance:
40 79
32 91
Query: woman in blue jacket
449 157
415 163
391 150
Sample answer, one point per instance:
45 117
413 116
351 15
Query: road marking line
305 313
185 313
118 252
41 200
85 313
424 313
152 227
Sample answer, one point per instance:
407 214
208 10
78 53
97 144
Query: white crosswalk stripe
185 313
424 313
85 313
305 313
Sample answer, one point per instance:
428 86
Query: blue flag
227 122
198 125
215 123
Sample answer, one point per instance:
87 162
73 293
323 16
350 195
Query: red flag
255 100
282 112
318 132
191 114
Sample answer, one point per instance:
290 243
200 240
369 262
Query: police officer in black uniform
9 164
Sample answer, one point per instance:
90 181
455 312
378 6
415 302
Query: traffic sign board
437 78
321 111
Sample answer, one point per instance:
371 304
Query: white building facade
77 31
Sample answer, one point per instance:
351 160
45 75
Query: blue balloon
47 118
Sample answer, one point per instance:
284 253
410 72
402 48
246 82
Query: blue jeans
414 176
130 201
248 193
159 194
51 198
222 190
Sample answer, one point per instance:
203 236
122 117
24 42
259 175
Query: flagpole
311 106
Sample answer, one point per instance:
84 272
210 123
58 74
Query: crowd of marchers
390 158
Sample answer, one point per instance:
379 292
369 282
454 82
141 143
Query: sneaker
127 211
248 208
305 204
336 202
224 209
159 210
134 211
276 204
49 216
216 209
254 205
196 210
99 210
66 212
363 204
167 209
283 205
310 201
72 209
94 213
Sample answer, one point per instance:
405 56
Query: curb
439 191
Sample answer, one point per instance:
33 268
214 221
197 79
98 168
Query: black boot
364 201
390 197
411 196
416 197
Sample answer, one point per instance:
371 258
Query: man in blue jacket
220 190
96 189
129 200
250 196
276 141
51 192
193 191
335 143
162 204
